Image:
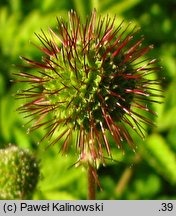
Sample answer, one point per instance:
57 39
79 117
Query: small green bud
19 172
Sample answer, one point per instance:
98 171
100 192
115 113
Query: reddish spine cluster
93 78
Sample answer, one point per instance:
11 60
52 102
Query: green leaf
118 7
167 120
159 155
82 7
2 85
56 172
55 195
21 139
172 137
7 118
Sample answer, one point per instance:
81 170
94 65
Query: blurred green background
148 174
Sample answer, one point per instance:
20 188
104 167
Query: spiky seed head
92 79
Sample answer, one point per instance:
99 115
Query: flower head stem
91 183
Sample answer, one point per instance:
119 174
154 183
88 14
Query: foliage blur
148 174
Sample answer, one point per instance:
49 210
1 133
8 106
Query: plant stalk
91 183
